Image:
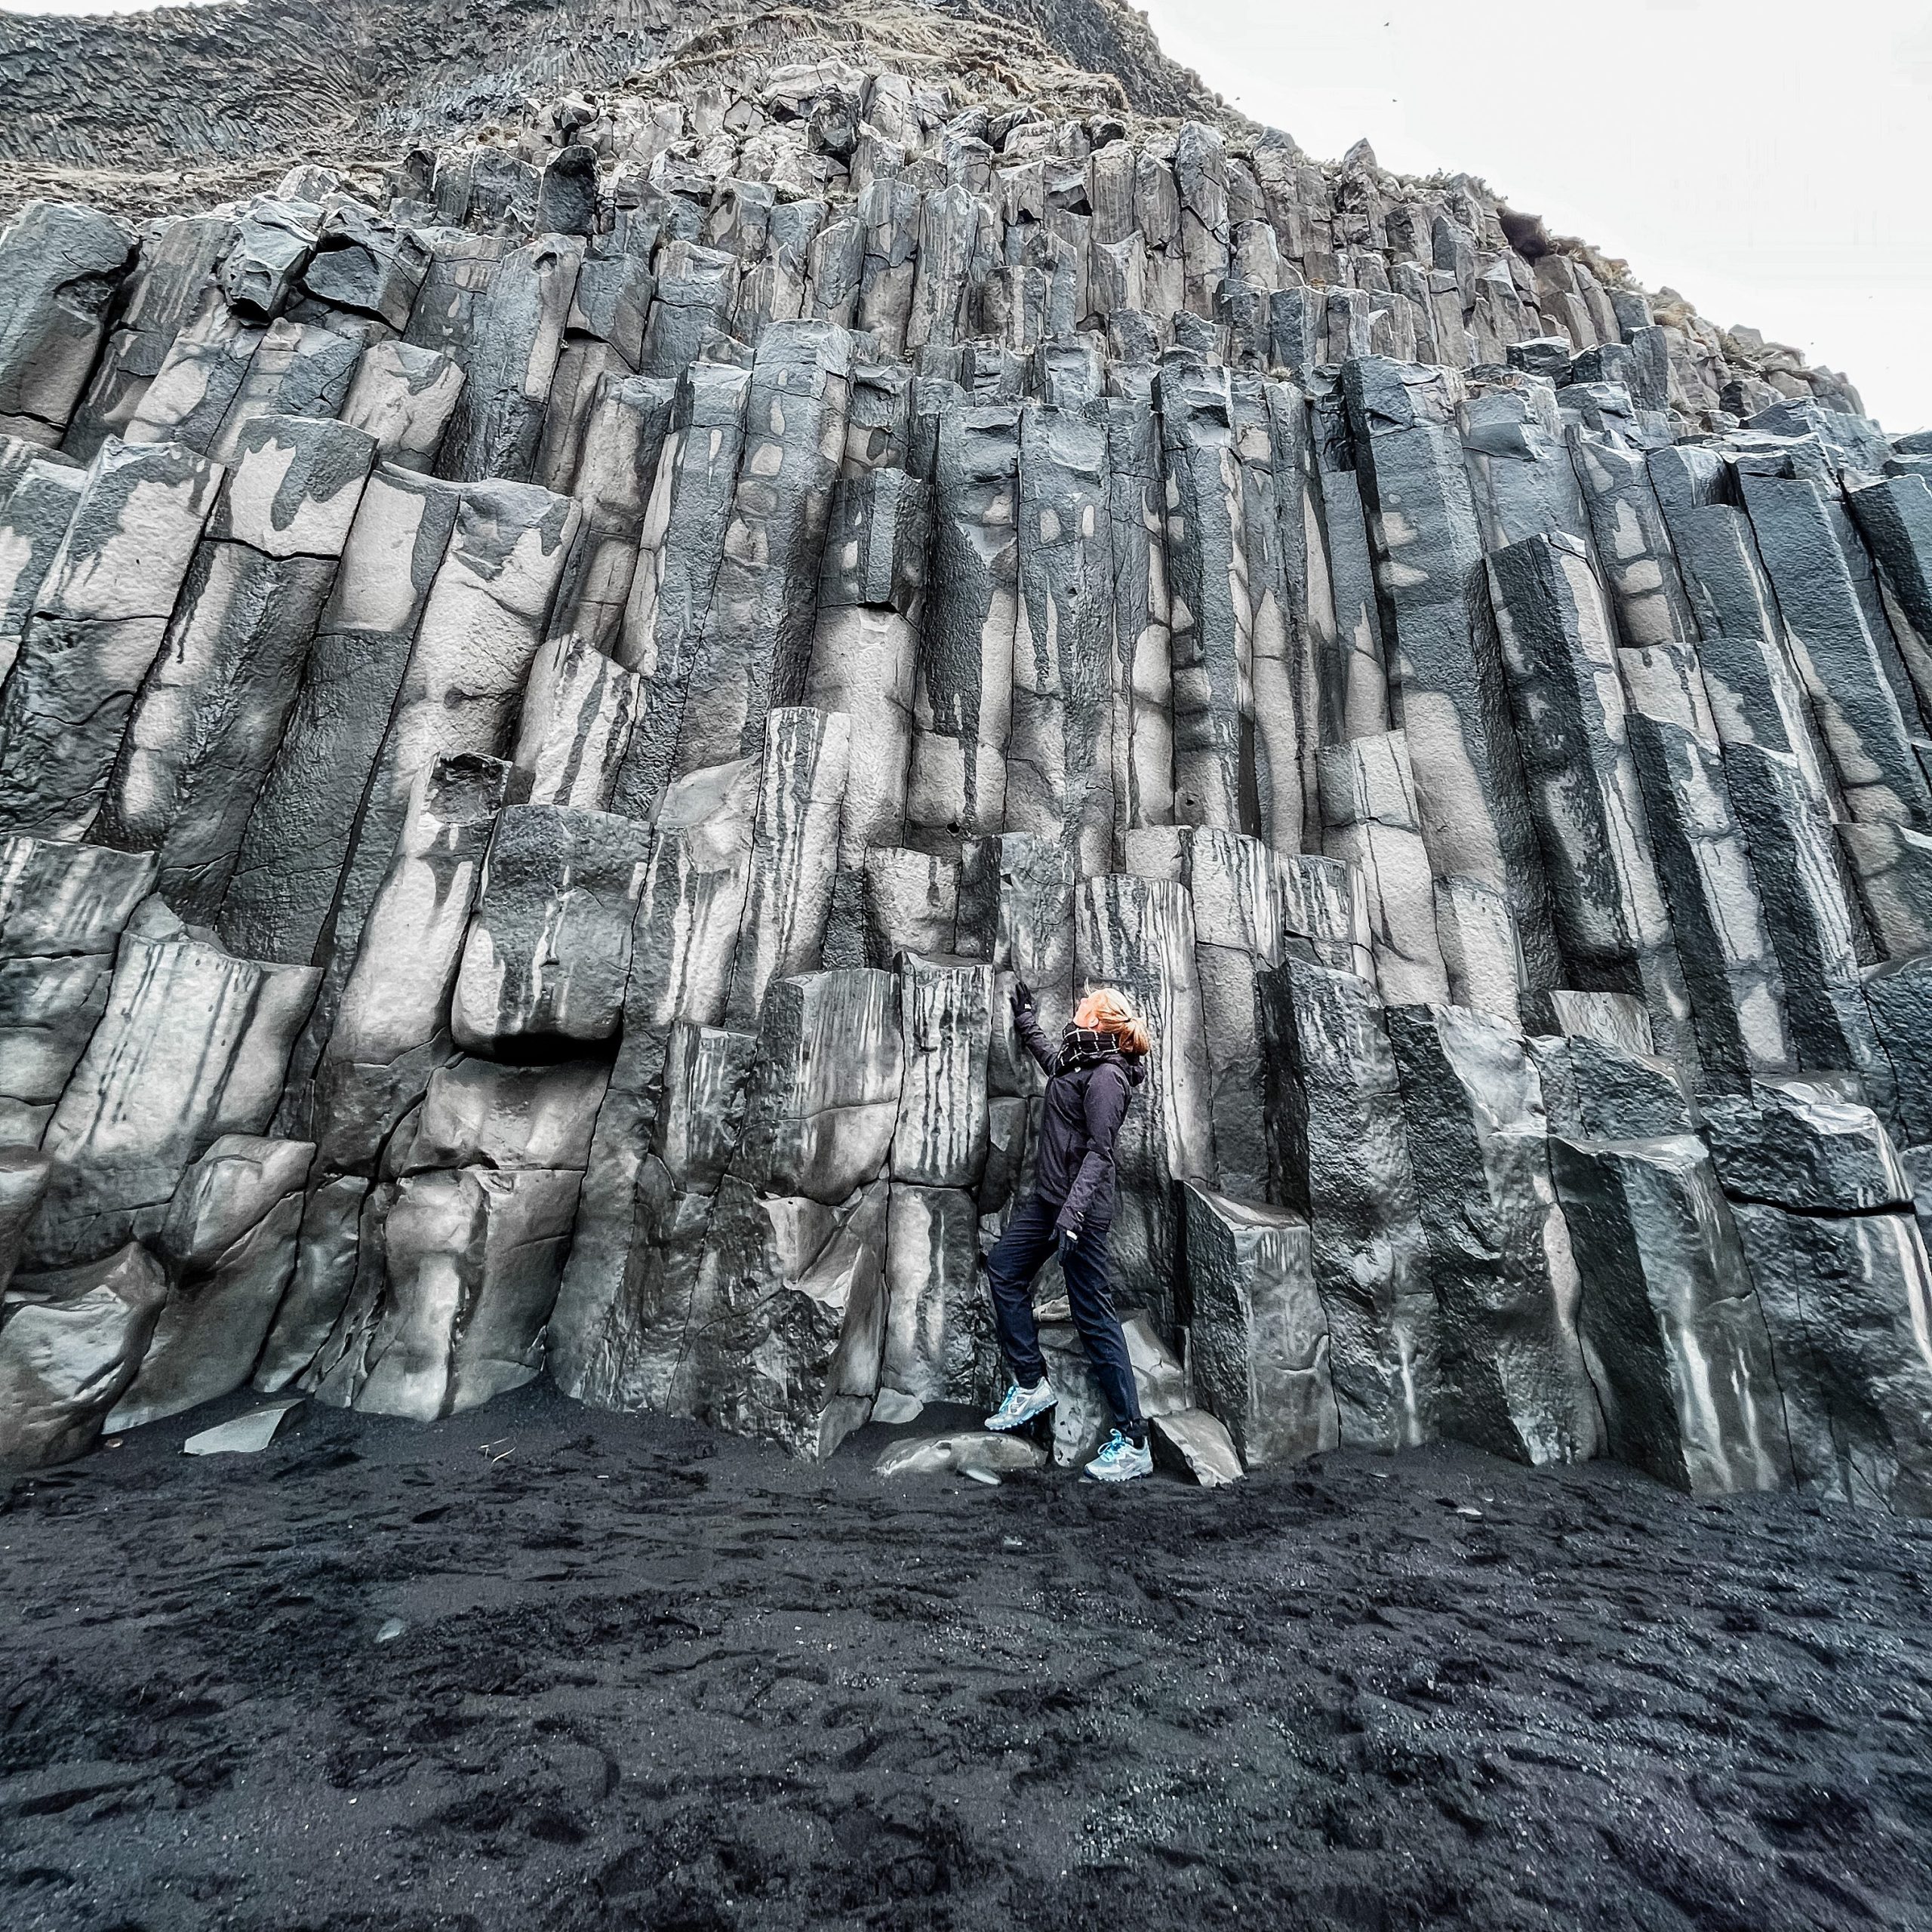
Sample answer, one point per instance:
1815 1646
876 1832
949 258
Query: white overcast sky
1767 158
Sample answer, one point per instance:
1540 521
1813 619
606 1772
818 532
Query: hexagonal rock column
1234 888
1499 1250
1143 610
1671 1328
1824 1209
681 546
633 1359
207 723
1560 656
193 1044
1060 782
514 339
1448 682
616 464
61 909
756 648
1342 1157
795 854
59 268
1215 778
1730 967
938 1346
392 1029
295 877
1257 1335
962 701
468 1263
24 1174
549 948
461 693
684 939
102 611
1370 821
1139 934
37 503
788 1319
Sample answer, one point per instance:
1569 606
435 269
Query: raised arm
1027 1023
1106 1106
1035 1036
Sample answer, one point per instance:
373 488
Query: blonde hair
1107 1010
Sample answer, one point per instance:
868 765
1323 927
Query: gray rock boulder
957 1455
70 1343
229 1245
61 266
1197 1443
1081 1418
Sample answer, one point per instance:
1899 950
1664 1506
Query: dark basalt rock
1670 1325
560 657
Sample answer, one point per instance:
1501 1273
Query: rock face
553 678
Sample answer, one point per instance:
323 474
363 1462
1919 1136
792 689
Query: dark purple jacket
1080 1117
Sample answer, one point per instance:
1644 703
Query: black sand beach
648 1677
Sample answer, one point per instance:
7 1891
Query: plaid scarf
1082 1046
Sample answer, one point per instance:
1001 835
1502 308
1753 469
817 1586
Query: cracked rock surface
583 586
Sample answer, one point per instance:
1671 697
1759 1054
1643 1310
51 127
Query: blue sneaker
1022 1405
1121 1460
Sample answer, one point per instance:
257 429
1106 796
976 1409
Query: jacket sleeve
1106 1106
1042 1049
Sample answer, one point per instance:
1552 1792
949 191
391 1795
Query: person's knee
1006 1274
1091 1294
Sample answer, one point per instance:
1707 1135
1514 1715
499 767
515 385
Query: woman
1091 1074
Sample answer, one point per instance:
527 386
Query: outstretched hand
1023 998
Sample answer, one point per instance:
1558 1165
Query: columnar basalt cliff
551 685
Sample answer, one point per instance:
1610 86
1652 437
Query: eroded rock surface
556 666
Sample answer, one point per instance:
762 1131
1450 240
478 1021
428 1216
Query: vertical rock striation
550 687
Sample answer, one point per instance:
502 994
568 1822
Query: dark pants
1026 1248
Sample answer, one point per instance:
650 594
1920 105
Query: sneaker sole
1130 1476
